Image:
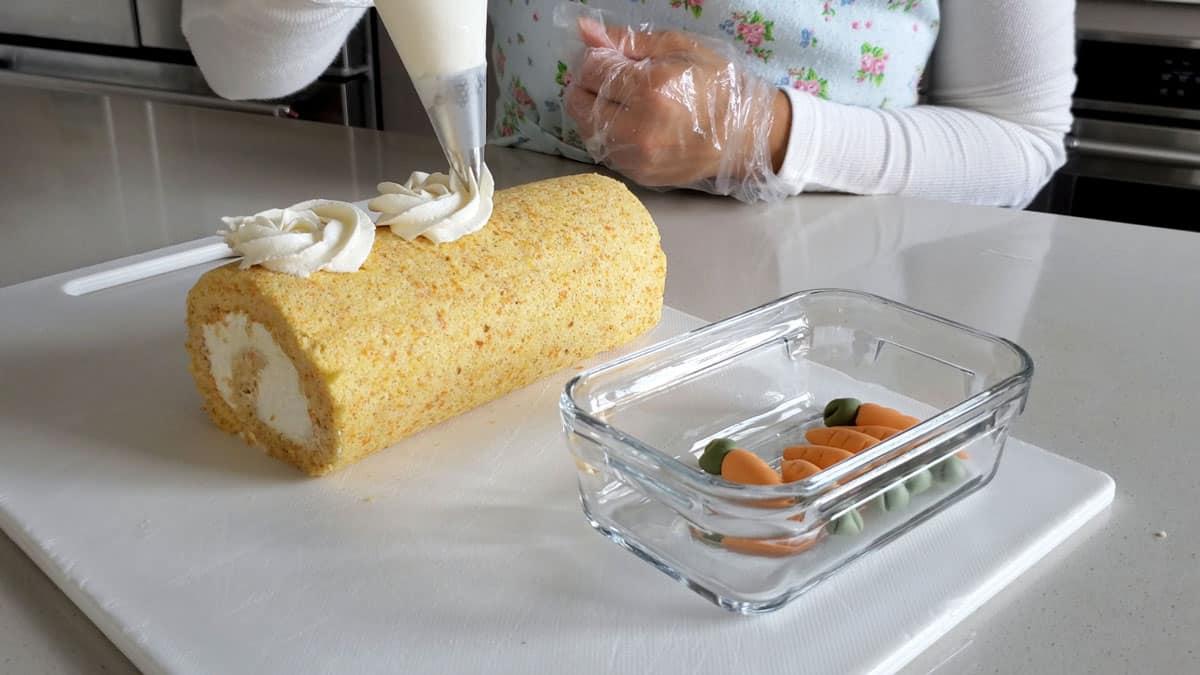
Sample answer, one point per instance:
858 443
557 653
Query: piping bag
444 49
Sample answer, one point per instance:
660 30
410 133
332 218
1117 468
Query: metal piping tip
468 165
455 104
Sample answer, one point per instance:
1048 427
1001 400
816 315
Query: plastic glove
672 109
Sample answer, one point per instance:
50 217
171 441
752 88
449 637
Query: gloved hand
671 109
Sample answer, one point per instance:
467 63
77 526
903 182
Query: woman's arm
1000 104
258 49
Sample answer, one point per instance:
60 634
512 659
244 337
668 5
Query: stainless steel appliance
1134 151
136 47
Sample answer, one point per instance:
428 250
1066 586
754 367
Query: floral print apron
858 52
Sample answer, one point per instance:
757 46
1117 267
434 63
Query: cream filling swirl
272 383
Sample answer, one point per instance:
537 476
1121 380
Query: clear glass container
637 426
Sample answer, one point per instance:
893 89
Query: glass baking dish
637 426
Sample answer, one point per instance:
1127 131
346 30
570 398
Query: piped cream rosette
318 234
437 206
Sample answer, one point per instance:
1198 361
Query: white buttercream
436 206
436 38
319 234
280 403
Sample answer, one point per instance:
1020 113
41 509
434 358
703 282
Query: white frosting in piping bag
436 206
319 234
435 37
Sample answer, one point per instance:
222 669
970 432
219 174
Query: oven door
1135 173
1134 150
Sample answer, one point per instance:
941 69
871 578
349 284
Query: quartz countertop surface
1107 311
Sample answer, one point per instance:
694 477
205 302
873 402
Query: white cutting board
461 550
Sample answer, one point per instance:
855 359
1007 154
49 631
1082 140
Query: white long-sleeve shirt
991 131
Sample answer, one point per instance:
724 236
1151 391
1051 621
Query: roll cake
322 371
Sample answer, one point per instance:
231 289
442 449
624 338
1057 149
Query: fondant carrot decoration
772 548
798 469
840 437
872 414
743 466
844 412
877 432
821 455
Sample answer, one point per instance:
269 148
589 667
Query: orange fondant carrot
798 469
743 466
772 548
873 414
875 431
840 437
821 455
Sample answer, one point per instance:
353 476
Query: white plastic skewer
209 249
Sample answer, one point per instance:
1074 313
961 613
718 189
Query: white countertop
1105 309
